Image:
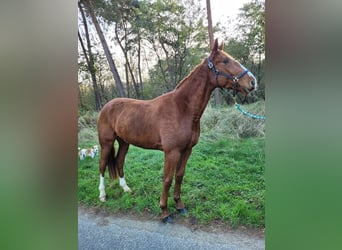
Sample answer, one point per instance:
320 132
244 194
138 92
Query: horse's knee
167 182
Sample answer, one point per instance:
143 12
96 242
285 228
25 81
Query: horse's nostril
253 83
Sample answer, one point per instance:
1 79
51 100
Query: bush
230 123
87 136
88 120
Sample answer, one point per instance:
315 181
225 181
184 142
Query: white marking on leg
102 189
124 185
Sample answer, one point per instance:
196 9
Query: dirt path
98 229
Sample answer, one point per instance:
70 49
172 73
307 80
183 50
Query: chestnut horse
170 122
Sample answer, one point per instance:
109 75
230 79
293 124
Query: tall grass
87 134
224 179
229 123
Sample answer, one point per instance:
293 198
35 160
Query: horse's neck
194 93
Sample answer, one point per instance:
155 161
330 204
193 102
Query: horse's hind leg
120 159
106 149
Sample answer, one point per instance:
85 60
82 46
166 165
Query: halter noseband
217 73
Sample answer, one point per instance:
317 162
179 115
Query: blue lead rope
238 107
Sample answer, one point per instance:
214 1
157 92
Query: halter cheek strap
214 70
231 77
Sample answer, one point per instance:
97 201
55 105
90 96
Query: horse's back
112 109
133 107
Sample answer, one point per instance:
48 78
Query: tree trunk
172 83
211 42
210 25
127 65
139 68
127 81
259 67
80 98
106 50
160 65
90 61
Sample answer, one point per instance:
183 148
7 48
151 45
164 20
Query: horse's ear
221 46
214 48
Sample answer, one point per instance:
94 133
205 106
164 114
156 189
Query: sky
224 10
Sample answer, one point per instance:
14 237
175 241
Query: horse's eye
226 60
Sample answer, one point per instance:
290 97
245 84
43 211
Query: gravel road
98 230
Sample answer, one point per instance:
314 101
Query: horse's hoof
167 219
183 211
103 199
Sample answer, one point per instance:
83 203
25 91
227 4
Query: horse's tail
111 163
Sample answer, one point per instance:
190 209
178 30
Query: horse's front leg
180 170
170 163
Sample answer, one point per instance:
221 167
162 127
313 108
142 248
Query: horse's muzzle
253 82
254 85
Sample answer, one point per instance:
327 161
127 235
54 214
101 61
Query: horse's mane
185 78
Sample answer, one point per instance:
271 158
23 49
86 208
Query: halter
235 79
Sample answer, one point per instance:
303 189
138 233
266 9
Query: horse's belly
142 138
146 143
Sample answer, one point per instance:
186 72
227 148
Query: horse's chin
245 91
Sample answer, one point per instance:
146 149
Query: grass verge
224 181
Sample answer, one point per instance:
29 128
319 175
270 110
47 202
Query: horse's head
229 73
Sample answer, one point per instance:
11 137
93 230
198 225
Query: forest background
142 49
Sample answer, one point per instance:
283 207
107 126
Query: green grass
224 181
